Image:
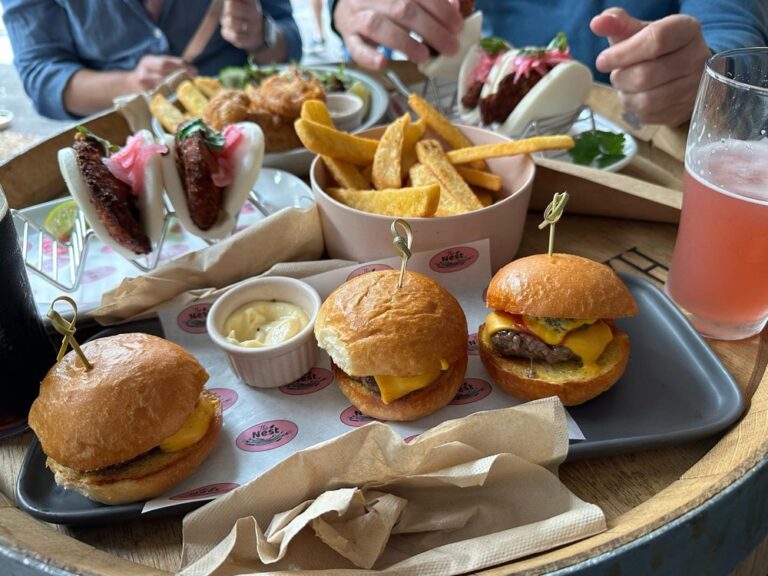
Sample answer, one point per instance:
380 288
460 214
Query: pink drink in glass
719 272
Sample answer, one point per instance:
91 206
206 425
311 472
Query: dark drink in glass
26 353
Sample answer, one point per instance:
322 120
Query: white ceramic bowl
354 235
270 366
346 110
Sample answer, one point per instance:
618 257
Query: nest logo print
267 436
313 381
368 268
471 390
192 318
211 490
226 396
453 259
353 417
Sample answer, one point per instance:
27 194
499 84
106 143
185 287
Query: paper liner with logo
447 67
248 156
150 202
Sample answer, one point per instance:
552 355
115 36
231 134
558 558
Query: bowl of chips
454 184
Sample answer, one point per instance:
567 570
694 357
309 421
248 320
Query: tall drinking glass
719 273
26 353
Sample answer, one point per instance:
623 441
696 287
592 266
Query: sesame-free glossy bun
411 406
368 326
142 478
569 381
139 392
560 286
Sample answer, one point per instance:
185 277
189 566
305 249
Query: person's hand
364 24
242 24
152 69
655 66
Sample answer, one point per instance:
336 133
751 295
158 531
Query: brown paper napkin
292 234
468 494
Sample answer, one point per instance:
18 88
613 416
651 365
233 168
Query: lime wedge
61 220
359 90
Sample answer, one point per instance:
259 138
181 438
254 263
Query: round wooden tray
648 497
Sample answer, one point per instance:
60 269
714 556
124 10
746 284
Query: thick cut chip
208 85
423 176
431 154
526 146
440 124
169 116
485 197
316 111
413 134
387 167
479 178
416 202
346 175
327 141
192 99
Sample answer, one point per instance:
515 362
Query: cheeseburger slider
552 332
397 353
132 426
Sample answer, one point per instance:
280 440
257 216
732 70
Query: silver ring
244 26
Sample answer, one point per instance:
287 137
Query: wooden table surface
638 492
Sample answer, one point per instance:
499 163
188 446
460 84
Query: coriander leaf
106 145
559 42
493 45
597 147
234 77
214 140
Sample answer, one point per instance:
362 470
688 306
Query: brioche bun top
140 391
560 286
369 326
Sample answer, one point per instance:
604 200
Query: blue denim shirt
53 39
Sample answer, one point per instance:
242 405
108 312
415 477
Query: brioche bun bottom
143 478
569 381
411 406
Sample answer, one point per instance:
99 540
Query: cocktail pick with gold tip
402 244
67 329
552 214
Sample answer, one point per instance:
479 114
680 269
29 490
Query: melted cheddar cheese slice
193 429
587 338
394 387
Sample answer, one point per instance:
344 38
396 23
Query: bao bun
248 157
90 423
150 201
448 66
558 286
370 327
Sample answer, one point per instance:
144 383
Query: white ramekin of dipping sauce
346 110
277 364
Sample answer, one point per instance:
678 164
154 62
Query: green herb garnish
234 77
493 45
106 145
214 140
597 147
559 42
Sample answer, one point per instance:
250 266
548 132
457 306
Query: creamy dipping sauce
264 323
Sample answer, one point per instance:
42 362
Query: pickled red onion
129 163
483 67
225 175
542 62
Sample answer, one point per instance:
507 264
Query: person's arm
242 26
727 24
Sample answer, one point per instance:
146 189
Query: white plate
584 124
103 271
298 160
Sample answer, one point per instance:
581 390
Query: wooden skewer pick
552 215
402 245
67 329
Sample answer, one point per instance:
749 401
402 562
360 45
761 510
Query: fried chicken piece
115 204
197 164
279 133
227 107
284 94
